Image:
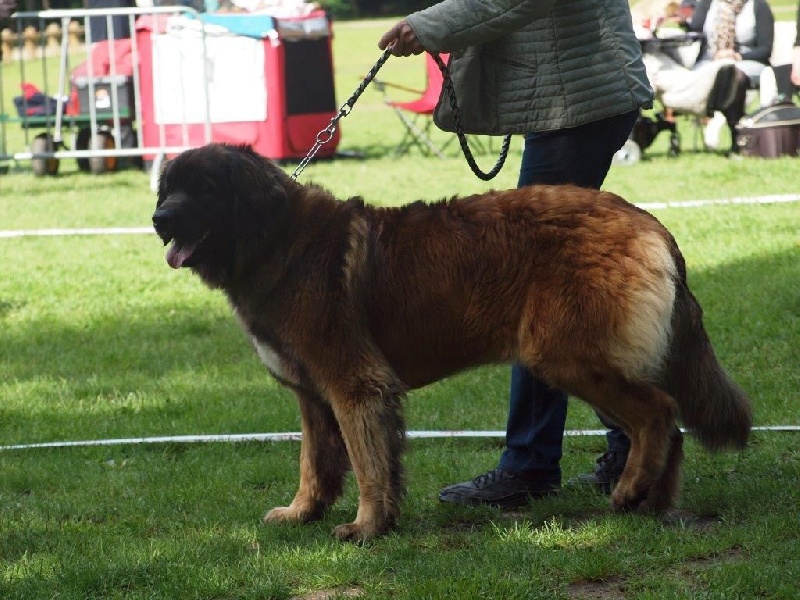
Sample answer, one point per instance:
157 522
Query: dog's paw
629 498
647 502
353 532
287 514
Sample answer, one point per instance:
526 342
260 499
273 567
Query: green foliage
346 9
340 9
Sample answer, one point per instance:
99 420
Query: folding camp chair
417 115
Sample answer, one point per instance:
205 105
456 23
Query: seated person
738 33
782 81
741 31
796 53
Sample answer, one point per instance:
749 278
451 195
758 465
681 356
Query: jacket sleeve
457 24
765 33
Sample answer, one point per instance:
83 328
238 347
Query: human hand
727 54
404 39
796 65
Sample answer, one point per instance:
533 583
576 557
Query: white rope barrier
294 436
88 231
73 232
777 199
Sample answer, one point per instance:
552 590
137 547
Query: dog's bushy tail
715 410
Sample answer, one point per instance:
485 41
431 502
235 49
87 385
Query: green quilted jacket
536 65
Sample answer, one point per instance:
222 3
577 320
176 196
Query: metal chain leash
326 135
462 138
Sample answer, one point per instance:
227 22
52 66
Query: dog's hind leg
648 416
323 463
368 410
665 491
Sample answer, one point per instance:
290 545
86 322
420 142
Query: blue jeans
538 413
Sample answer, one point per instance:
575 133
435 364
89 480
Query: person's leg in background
744 78
530 464
738 105
775 85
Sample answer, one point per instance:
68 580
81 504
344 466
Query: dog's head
214 200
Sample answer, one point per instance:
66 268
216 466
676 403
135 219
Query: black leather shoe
606 474
498 488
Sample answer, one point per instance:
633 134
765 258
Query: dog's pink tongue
178 254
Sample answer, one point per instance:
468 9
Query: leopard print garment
723 36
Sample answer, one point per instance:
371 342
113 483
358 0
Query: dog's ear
162 182
259 197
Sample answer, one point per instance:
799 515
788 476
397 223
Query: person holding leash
568 74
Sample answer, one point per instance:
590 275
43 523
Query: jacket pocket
475 84
498 61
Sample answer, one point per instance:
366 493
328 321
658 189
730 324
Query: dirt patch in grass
332 594
692 569
606 589
687 520
700 563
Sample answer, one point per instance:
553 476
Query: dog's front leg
323 463
371 422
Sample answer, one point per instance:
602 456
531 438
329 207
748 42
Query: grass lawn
100 339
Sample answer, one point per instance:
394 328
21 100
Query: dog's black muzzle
162 218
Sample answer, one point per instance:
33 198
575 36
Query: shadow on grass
150 344
136 374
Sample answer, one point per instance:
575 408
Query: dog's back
518 272
557 277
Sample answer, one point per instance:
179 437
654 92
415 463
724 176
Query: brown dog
351 306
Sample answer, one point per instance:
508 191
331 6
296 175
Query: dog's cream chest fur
270 358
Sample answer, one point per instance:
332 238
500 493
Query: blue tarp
254 26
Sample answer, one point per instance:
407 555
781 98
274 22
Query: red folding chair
417 115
